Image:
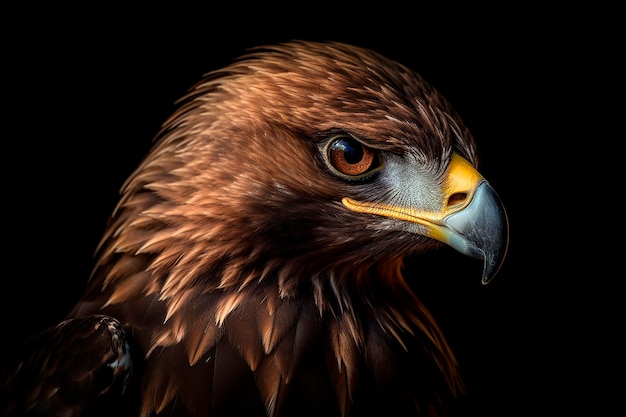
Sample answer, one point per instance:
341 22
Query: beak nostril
457 198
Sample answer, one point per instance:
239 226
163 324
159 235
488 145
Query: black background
86 90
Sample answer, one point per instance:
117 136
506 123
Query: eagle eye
350 158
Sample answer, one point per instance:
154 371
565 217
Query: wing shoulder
82 366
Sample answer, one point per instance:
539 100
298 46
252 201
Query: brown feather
251 276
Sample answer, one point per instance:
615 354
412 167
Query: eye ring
349 158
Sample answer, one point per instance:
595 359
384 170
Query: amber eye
350 157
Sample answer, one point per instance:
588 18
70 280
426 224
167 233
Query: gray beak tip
482 230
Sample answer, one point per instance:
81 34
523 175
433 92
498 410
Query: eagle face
311 150
256 252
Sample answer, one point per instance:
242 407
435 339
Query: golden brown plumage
255 257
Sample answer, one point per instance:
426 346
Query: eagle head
287 188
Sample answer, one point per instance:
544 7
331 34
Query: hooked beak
480 230
472 219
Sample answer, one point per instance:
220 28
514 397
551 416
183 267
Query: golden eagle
254 263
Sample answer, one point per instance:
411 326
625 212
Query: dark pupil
352 153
